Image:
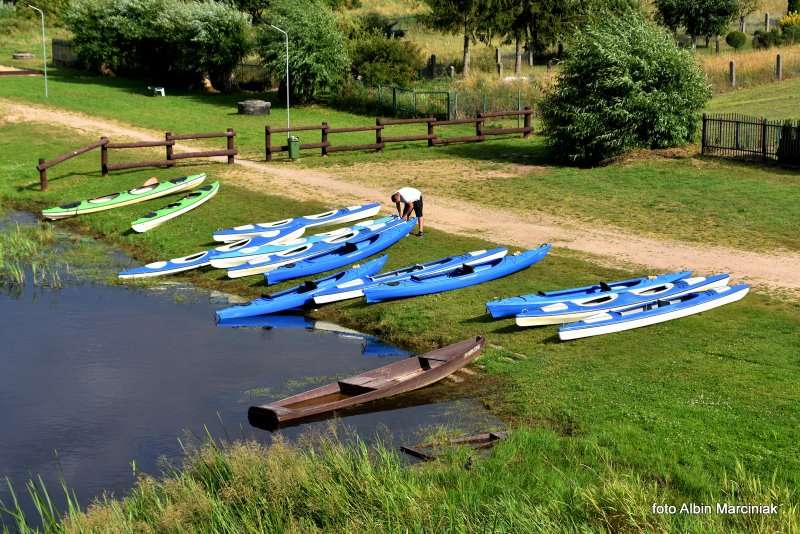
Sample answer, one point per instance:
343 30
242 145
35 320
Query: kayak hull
340 216
511 306
345 255
577 309
193 200
653 313
458 279
300 295
124 198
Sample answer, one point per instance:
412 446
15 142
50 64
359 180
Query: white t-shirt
409 194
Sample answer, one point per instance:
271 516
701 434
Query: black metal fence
737 136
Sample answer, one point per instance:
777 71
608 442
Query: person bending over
408 199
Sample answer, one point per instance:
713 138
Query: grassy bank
699 410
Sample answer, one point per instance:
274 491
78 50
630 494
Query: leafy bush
624 84
736 39
317 56
789 146
184 43
790 19
762 39
791 34
386 61
374 22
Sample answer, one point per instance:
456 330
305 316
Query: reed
29 249
326 484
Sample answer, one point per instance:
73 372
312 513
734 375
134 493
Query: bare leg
421 221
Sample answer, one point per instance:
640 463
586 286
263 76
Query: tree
474 19
540 23
317 53
382 60
671 13
624 84
254 8
706 18
793 6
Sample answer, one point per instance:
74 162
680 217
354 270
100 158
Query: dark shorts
418 207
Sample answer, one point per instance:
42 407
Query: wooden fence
325 146
743 137
170 157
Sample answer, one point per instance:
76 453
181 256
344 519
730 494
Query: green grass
774 101
697 410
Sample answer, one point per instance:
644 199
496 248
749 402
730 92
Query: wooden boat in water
399 377
430 451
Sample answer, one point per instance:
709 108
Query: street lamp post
286 38
44 48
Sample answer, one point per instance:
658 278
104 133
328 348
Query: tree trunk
466 55
518 57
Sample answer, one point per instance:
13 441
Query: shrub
736 39
184 43
793 6
791 34
386 61
762 39
624 84
317 56
789 146
374 22
790 19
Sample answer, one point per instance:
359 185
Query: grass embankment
698 410
706 200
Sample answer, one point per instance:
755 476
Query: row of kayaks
609 307
150 190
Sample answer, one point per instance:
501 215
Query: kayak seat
358 385
604 286
308 285
349 247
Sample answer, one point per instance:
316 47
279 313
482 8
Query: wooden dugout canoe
431 451
406 375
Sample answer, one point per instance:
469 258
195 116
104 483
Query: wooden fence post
527 122
732 73
169 148
764 139
479 126
766 21
267 143
778 67
231 145
379 134
431 135
42 176
703 136
499 69
324 140
104 156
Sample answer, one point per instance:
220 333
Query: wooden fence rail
743 137
171 158
381 140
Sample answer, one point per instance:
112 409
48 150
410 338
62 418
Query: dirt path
610 246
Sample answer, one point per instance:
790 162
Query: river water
98 380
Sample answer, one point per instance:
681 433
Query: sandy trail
611 246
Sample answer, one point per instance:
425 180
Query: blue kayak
658 311
202 258
355 288
295 255
465 276
340 216
571 310
355 250
515 305
300 295
260 250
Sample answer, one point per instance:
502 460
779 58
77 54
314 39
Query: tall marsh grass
26 249
753 68
331 486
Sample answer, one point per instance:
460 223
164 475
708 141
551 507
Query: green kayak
170 211
148 191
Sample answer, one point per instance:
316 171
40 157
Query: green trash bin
294 147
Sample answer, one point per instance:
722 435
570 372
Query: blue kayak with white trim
568 311
658 311
267 229
300 295
262 248
465 276
510 306
355 250
307 251
355 288
200 259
